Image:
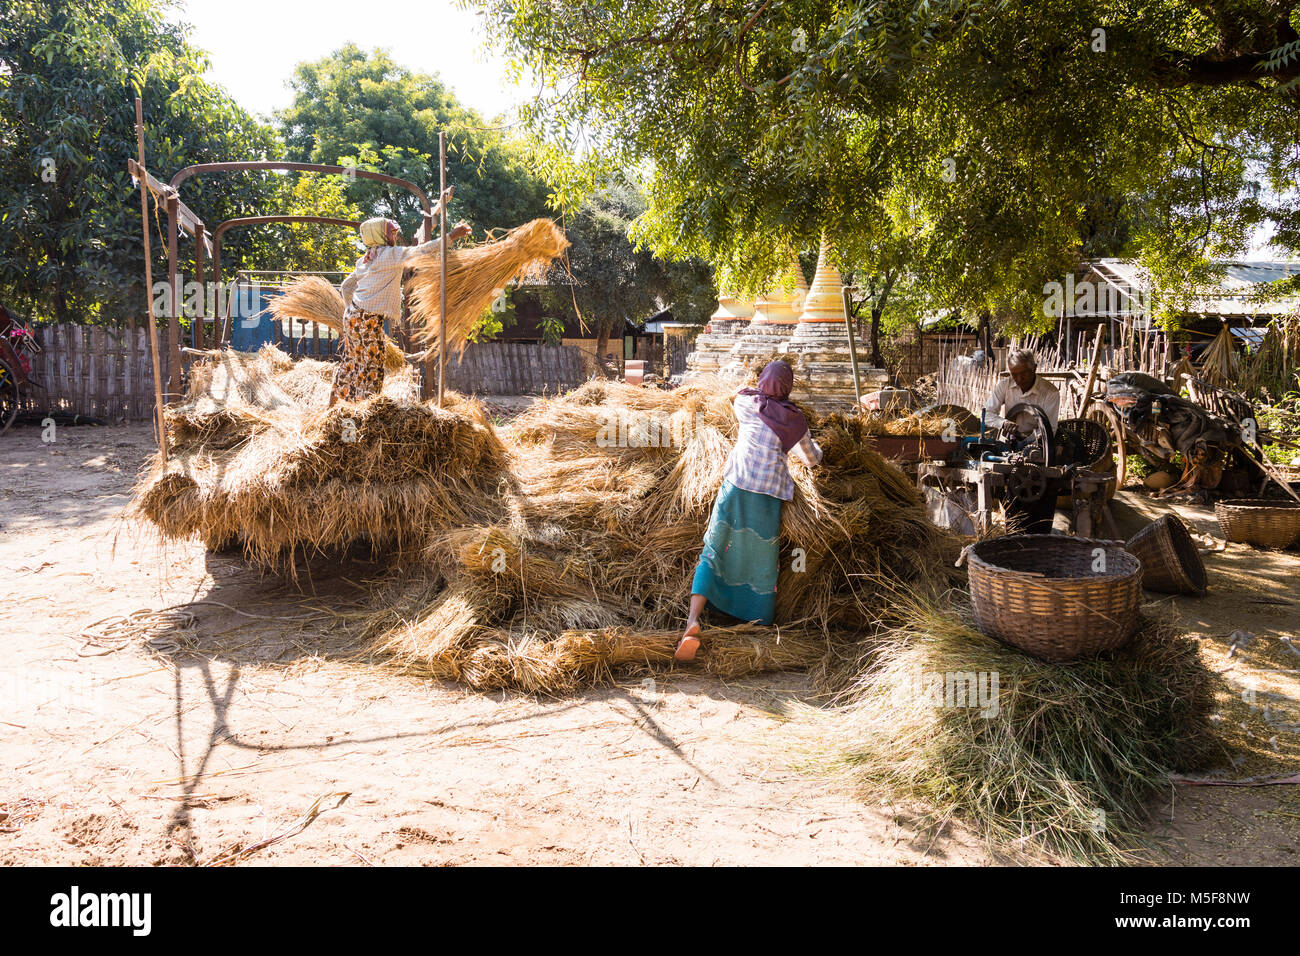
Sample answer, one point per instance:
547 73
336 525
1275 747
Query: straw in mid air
314 299
476 275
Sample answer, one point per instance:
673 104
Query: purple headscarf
774 405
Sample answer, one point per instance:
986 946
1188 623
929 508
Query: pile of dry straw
550 551
256 458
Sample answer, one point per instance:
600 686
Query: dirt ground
248 737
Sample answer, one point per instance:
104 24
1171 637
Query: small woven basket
1041 593
1259 522
1170 561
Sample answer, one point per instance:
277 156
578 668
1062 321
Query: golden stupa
819 347
713 346
776 314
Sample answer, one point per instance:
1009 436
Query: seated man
1025 386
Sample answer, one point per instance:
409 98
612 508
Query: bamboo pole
1092 370
853 347
148 286
442 259
172 204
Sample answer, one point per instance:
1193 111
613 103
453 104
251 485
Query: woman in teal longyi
738 568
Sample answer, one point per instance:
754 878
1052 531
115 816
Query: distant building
656 339
1118 292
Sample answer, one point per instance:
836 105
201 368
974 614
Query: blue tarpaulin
252 325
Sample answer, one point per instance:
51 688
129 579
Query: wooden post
1092 371
197 330
148 288
853 347
174 308
442 259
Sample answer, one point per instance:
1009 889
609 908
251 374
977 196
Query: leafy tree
311 247
1008 127
358 108
70 237
617 280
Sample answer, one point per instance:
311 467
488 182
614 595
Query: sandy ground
249 737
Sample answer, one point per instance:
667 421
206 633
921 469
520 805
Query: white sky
255 44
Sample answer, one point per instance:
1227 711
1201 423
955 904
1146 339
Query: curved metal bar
233 167
224 227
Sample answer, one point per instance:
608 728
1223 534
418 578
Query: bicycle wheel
8 396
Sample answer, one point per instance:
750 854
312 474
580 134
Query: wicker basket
1259 522
1040 593
1170 561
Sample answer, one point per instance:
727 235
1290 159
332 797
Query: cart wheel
8 397
1105 415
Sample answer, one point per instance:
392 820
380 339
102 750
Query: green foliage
70 242
1281 421
310 247
359 108
1002 140
496 317
617 280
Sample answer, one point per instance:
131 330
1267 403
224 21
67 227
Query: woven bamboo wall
107 373
515 368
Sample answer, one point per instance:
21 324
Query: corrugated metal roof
1231 295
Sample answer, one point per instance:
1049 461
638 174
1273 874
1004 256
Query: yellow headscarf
374 232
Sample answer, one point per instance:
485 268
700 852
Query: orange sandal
688 645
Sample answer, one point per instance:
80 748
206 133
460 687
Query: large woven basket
1259 522
1170 561
1040 593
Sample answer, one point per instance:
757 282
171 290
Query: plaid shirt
376 286
757 463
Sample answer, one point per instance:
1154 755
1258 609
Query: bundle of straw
1219 364
445 641
315 300
476 275
1062 760
1273 368
257 458
613 486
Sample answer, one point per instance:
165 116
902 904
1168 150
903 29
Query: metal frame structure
180 218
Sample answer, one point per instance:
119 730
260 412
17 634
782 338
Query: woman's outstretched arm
809 452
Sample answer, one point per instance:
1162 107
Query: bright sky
255 44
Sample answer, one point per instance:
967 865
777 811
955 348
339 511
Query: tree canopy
359 108
1001 140
70 241
618 280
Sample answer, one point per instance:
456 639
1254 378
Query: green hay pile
1068 758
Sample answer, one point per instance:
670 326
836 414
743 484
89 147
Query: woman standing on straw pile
739 565
373 293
